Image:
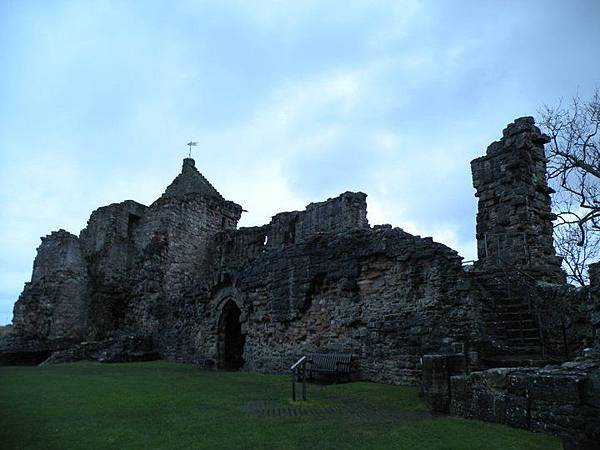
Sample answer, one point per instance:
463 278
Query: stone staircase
510 322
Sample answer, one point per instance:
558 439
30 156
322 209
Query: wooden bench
336 364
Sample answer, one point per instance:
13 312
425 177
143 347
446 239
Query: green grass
165 405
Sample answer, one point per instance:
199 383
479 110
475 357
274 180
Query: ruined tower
129 258
514 218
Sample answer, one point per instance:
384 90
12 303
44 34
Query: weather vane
190 145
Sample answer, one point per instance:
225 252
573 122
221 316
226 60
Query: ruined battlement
59 251
111 226
54 304
345 212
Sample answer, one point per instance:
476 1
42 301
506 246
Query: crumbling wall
108 245
594 306
514 218
529 307
345 212
382 294
53 306
562 400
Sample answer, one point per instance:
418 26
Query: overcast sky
290 102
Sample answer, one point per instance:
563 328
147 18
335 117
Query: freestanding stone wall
562 400
514 218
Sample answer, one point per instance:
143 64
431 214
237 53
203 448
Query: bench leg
304 385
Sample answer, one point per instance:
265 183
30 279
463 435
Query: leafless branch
574 173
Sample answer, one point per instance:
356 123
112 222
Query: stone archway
230 340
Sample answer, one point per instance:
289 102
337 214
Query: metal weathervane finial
190 145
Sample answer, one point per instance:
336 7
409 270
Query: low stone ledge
127 348
561 400
23 350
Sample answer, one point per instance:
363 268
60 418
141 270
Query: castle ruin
178 280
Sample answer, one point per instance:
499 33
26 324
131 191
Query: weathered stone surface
514 219
126 348
54 304
594 307
15 349
562 400
435 381
379 293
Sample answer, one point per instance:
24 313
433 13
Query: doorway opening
230 341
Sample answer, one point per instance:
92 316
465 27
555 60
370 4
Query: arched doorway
230 340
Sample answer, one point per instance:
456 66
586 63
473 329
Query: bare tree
576 258
574 172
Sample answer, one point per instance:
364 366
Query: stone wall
54 305
562 400
109 248
346 212
379 293
594 306
514 218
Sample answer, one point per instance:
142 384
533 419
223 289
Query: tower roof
189 181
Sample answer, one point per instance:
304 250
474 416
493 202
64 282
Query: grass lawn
166 405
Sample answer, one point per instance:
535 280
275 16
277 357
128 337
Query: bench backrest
331 362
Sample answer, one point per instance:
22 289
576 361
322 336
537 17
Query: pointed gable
189 181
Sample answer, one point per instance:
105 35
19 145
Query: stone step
512 313
512 322
514 339
521 327
517 340
516 308
521 321
514 335
516 331
524 360
524 342
524 333
512 306
520 343
517 353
